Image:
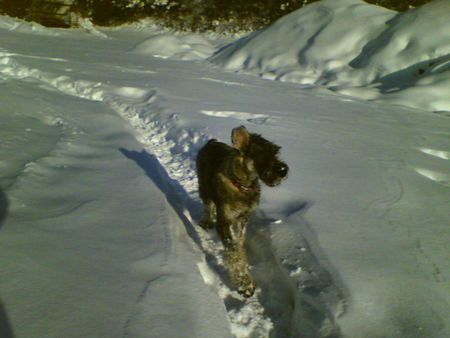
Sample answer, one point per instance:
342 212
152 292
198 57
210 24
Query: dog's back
210 161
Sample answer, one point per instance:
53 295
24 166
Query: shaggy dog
229 187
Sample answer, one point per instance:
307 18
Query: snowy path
356 169
87 226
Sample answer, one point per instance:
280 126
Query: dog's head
264 154
241 170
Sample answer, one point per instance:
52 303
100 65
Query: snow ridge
383 55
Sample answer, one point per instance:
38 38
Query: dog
228 178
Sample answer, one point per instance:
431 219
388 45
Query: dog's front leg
236 261
235 256
209 218
224 224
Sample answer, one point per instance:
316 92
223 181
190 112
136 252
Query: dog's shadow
173 191
180 201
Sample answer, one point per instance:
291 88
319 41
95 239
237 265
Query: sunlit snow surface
99 130
356 49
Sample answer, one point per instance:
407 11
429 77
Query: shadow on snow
5 326
297 307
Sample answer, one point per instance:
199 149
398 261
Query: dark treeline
192 15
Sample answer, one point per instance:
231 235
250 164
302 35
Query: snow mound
20 26
305 41
382 54
90 28
180 47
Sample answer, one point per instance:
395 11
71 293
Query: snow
382 55
99 129
182 46
10 24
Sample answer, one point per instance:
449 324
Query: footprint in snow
438 177
445 155
242 116
230 83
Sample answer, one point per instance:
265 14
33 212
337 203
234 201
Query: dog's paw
239 270
247 289
245 283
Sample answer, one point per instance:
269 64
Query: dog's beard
272 180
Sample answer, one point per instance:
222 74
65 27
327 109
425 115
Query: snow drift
21 26
355 48
182 46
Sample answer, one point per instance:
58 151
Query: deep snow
98 136
356 49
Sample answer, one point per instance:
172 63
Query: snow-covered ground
99 130
355 49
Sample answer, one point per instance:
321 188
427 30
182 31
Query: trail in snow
270 311
176 177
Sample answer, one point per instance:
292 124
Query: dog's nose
282 169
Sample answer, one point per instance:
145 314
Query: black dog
228 180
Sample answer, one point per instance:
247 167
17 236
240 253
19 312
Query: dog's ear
240 138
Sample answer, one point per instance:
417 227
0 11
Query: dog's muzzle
281 170
278 173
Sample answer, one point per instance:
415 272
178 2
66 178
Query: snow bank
21 26
354 48
181 47
89 27
306 41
